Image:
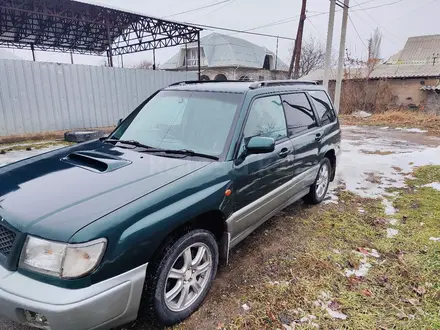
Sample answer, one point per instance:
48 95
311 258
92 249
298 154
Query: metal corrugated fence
38 97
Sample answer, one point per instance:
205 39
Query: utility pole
296 56
328 51
341 56
299 39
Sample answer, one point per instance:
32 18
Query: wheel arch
331 155
213 221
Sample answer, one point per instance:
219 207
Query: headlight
59 259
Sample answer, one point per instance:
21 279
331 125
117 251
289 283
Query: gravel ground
362 148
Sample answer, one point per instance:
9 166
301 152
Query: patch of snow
434 185
391 232
393 222
399 128
331 198
363 270
336 314
361 114
245 307
325 301
414 130
386 127
355 166
435 239
374 253
361 210
389 208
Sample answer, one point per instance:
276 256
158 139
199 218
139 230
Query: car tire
320 187
175 272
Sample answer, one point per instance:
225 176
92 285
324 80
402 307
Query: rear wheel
183 277
319 188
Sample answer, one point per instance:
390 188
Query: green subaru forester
89 231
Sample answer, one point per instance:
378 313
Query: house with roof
224 57
411 76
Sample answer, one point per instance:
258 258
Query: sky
396 19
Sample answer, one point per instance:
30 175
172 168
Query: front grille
7 238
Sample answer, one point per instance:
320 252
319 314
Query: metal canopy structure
81 28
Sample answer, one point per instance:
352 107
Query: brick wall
399 93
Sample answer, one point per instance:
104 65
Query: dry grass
32 145
281 270
409 119
50 135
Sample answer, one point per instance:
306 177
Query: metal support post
328 50
33 51
199 55
341 56
109 53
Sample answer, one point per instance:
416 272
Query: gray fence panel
39 97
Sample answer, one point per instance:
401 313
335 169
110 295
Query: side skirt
226 244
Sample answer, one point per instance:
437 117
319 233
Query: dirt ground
294 271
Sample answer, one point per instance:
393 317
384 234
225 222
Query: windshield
197 121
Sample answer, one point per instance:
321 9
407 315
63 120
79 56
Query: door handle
318 137
284 152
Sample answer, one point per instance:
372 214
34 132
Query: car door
305 134
261 181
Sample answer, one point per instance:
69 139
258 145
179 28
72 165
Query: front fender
135 232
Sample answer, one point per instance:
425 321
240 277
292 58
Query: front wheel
184 276
319 188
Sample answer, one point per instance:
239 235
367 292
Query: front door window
266 118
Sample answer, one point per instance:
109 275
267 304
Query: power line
380 6
217 9
414 10
380 25
294 18
363 3
357 32
211 27
198 8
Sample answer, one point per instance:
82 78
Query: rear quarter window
299 113
323 106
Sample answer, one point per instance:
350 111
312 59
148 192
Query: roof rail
270 83
192 82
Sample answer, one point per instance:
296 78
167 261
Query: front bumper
101 306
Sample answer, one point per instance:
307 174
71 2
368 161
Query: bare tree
312 56
374 44
146 65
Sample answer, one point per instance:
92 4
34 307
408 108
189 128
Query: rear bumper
101 306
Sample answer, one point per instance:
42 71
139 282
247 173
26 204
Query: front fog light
36 320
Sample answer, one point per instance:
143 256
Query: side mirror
119 122
260 145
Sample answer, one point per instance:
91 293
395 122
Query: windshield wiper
182 152
129 142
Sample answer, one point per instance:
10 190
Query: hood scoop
96 161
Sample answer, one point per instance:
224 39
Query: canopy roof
84 28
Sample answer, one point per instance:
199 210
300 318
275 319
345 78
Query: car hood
55 194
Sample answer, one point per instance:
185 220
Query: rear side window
299 113
323 106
